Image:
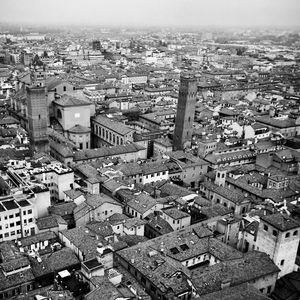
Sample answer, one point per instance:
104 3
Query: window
6 234
266 228
11 216
29 211
282 262
275 233
24 212
295 232
269 289
59 114
11 224
287 235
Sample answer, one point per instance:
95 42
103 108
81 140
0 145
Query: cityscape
150 150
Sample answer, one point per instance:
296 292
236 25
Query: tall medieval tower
37 118
185 112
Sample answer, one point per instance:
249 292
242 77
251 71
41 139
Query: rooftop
251 266
113 125
281 222
69 101
175 213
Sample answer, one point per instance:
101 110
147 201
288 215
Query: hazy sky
154 12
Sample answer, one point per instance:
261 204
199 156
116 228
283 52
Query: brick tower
185 112
37 118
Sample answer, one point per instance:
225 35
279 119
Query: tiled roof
85 240
79 129
54 262
105 290
51 83
107 151
215 210
142 203
175 213
117 218
62 149
230 194
157 260
49 222
159 224
252 265
40 237
97 200
67 100
281 222
62 209
134 222
240 292
15 264
73 194
111 124
170 189
102 229
15 280
285 123
113 184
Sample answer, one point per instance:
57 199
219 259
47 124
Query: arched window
287 235
295 232
65 88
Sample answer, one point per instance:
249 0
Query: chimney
225 283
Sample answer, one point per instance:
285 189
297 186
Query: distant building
185 112
96 45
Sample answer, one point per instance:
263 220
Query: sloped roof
68 100
79 129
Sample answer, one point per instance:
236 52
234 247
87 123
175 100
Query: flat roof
11 204
92 263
